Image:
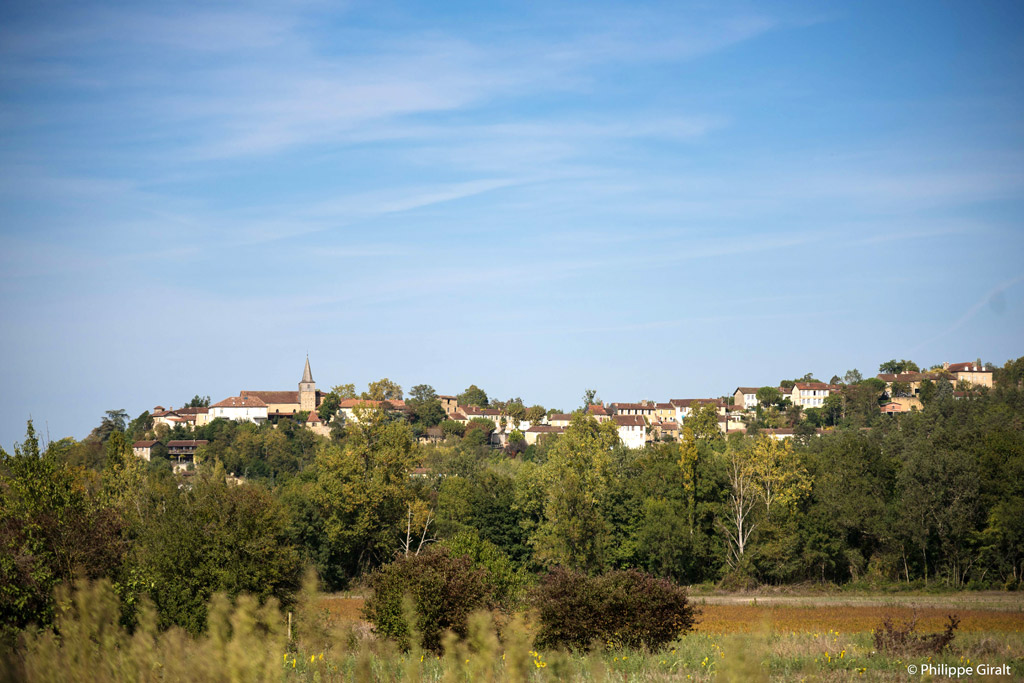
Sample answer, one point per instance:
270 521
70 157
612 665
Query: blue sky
655 200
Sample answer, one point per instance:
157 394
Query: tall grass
244 642
247 641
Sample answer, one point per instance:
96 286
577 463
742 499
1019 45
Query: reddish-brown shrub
625 608
903 638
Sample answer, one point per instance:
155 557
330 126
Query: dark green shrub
621 608
453 428
444 589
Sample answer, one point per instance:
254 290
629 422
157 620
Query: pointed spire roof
307 374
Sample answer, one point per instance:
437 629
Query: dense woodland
927 498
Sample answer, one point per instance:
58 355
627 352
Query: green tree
52 530
703 421
738 519
852 489
138 427
425 406
777 474
514 409
927 392
1011 374
689 456
453 428
198 402
360 493
768 396
383 390
507 579
832 408
852 376
899 389
897 367
113 421
482 425
473 396
937 509
328 407
664 538
444 589
535 414
213 538
422 393
574 532
345 391
118 450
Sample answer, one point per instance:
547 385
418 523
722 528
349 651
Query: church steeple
307 389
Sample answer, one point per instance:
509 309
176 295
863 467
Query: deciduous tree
473 396
383 390
574 532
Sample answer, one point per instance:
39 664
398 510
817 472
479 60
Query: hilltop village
799 407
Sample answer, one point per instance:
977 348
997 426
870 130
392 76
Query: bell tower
307 389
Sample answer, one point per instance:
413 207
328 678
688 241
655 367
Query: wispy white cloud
992 299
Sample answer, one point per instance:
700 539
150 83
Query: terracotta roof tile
273 396
245 401
545 429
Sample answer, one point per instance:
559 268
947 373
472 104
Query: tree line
933 496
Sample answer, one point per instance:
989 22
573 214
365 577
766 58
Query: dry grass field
809 637
739 638
984 612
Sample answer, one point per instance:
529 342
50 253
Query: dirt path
988 600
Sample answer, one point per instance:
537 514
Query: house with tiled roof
316 424
560 420
351 407
242 408
537 432
168 417
598 412
474 411
730 422
745 398
144 449
195 416
632 430
665 430
974 374
643 409
812 394
182 453
913 380
664 412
